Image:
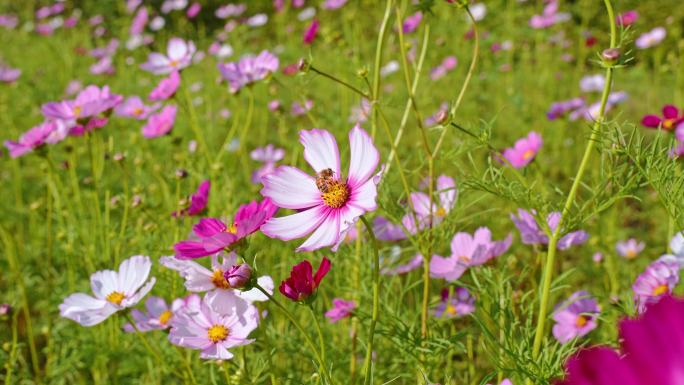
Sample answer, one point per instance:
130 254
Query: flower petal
296 225
364 156
320 150
327 233
291 188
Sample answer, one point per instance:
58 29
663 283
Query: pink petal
364 156
327 234
295 225
291 188
320 150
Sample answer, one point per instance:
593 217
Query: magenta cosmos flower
447 194
627 18
161 123
49 132
341 309
457 304
412 22
657 281
133 107
157 316
575 317
302 283
166 88
200 326
212 235
467 251
178 56
248 70
524 151
652 348
198 201
629 248
531 233
86 112
328 204
311 32
669 121
114 291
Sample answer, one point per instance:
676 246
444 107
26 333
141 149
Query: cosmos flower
48 132
629 248
412 22
677 250
657 281
173 5
447 194
267 155
524 151
161 123
139 22
103 66
212 235
341 309
467 251
114 291
448 64
387 231
333 4
198 201
531 233
158 315
302 284
201 279
166 88
669 121
460 303
408 267
651 351
179 55
328 204
230 10
86 111
559 109
193 10
299 109
628 18
439 116
549 16
248 70
9 74
575 317
651 38
311 32
133 107
201 326
505 381
592 83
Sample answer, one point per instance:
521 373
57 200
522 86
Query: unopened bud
303 65
118 157
238 276
611 55
181 173
362 72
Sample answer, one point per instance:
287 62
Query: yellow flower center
529 154
173 63
138 111
218 280
660 289
451 310
581 321
441 212
217 333
165 317
668 124
115 297
77 111
231 229
631 253
336 195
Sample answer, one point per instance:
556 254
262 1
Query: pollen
138 111
337 194
231 229
217 333
218 280
77 111
581 321
115 297
660 289
441 212
451 310
529 154
165 317
668 124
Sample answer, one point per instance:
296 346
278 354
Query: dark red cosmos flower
302 283
652 351
671 118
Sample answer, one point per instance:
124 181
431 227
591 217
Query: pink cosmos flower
524 151
412 22
627 18
173 5
86 111
103 66
333 4
341 309
9 74
157 317
387 231
448 64
467 251
311 32
198 201
559 109
629 248
212 235
139 22
592 83
200 279
248 70
657 281
114 291
446 188
268 155
299 109
670 120
460 303
167 87
161 123
328 204
193 10
178 56
9 21
549 16
505 381
531 233
575 317
201 326
230 10
652 348
412 264
48 132
133 107
302 284
651 38
439 116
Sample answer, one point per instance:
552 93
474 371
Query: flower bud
611 55
5 309
303 65
238 276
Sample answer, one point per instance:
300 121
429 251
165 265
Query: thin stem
142 338
553 241
226 372
376 301
321 342
194 124
375 93
338 80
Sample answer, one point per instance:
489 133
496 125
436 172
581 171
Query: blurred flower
166 88
408 267
333 4
5 309
198 201
103 66
173 5
268 155
257 20
657 281
446 188
448 64
178 56
412 22
230 10
113 291
629 248
139 22
505 381
193 10
212 235
478 10
9 74
677 248
592 83
360 113
133 107
157 317
341 309
161 123
201 326
531 233
9 21
438 116
302 283
454 305
467 251
387 231
650 38
575 317
559 109
248 70
524 151
389 68
549 16
299 109
311 32
329 204
627 18
670 120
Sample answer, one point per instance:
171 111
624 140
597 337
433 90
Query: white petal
364 156
133 273
327 234
291 188
255 295
85 310
296 225
320 150
176 49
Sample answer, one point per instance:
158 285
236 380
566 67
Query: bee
324 179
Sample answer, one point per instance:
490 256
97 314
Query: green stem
321 342
194 124
376 301
144 341
338 80
377 64
553 241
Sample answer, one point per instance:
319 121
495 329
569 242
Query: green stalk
378 63
376 301
321 341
